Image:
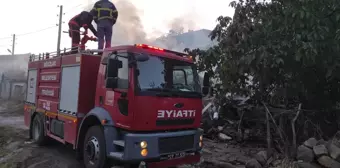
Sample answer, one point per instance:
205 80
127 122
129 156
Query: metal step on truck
133 105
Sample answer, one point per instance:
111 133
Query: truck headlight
143 144
201 141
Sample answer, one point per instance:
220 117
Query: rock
246 134
261 157
307 165
242 159
310 143
320 150
328 162
226 165
13 145
206 151
305 154
253 163
269 161
321 142
224 137
276 163
334 151
220 128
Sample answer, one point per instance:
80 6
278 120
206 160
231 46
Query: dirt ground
16 151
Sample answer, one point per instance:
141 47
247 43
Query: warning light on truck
149 47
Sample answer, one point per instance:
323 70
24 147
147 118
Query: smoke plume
14 66
130 30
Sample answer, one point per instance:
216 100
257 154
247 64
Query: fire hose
85 38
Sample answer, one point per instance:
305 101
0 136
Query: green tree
289 48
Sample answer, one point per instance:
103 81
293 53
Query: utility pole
13 45
59 31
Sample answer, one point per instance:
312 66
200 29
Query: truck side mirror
142 57
112 67
206 84
111 82
205 90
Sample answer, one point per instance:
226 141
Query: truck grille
175 122
175 144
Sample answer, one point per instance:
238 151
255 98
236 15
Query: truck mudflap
167 147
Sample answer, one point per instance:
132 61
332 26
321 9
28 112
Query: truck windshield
168 75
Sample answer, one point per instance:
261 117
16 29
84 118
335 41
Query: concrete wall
13 71
18 91
12 90
5 89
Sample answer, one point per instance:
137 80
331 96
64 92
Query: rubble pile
263 160
315 153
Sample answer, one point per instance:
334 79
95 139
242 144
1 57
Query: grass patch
5 137
8 165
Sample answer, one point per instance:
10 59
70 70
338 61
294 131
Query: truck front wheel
94 148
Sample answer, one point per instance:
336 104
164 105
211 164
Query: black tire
95 139
38 130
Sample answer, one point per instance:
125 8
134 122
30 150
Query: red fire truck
132 105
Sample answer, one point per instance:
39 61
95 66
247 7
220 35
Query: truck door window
123 73
183 78
179 76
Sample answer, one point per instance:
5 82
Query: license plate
174 156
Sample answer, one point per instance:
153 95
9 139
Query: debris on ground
10 145
225 146
319 153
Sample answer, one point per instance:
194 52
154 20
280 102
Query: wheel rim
36 130
92 149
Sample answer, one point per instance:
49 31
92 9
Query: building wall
18 91
5 89
12 90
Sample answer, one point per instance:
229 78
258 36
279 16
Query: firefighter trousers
104 33
74 33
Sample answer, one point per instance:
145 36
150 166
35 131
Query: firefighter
105 15
84 19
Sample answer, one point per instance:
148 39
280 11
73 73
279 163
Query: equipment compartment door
31 86
69 89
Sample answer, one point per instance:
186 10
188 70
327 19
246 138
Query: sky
34 21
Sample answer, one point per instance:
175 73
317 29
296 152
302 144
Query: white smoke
130 30
14 66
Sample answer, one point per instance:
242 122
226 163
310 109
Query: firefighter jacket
104 10
84 19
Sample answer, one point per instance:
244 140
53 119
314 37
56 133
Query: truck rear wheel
38 130
94 149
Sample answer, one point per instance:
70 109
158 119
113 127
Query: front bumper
160 145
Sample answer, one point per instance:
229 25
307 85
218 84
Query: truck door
116 100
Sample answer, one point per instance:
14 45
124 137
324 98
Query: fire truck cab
134 104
